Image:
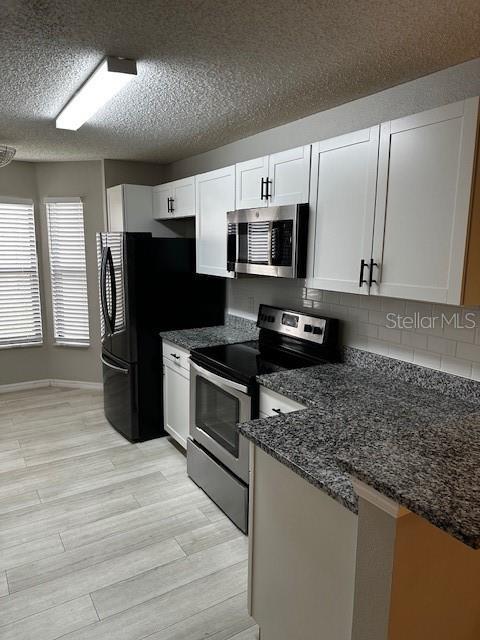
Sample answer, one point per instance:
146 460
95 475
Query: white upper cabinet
214 196
250 180
161 201
344 173
281 178
174 199
289 176
129 208
423 204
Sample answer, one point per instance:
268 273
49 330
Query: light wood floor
104 540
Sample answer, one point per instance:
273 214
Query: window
20 312
68 273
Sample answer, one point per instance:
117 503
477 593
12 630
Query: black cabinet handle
175 356
277 410
362 280
170 205
262 195
268 193
370 277
172 208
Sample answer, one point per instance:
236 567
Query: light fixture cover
111 75
6 154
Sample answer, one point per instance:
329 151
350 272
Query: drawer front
272 403
176 355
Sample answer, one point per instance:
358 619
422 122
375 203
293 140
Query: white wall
364 318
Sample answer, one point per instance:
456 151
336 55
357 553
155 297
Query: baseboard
77 384
23 386
36 384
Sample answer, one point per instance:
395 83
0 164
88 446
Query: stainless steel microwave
270 241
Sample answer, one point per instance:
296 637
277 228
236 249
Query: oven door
217 405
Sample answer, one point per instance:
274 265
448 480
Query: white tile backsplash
365 324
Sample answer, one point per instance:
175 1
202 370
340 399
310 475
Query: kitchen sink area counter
235 329
419 447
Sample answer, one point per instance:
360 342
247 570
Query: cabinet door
161 194
176 392
423 202
215 195
289 173
344 173
249 177
183 194
115 209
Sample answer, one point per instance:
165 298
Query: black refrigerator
147 285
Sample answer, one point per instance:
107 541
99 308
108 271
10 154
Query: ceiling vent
6 155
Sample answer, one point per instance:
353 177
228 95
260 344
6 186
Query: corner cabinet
214 196
278 179
425 206
176 392
344 175
174 199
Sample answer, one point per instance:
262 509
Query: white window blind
68 271
20 312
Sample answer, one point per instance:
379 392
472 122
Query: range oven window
265 243
217 414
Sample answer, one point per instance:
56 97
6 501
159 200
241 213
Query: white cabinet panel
423 202
176 390
130 208
289 175
183 194
161 195
215 195
115 209
272 403
249 176
344 172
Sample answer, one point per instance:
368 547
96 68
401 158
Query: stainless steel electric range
224 392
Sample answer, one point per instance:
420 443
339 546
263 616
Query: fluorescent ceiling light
109 77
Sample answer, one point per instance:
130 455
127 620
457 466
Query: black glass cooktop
243 361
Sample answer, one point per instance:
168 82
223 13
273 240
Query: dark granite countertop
235 329
411 433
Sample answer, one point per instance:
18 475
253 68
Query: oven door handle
218 380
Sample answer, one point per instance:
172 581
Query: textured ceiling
210 72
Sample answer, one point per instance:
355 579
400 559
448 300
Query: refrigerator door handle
103 290
113 286
112 366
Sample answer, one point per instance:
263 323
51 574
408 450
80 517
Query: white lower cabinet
302 556
176 392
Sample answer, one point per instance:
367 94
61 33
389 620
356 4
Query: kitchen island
388 548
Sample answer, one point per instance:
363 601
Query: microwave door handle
223 383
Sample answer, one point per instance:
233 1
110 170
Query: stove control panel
292 323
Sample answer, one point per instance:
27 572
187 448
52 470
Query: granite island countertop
235 329
367 418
